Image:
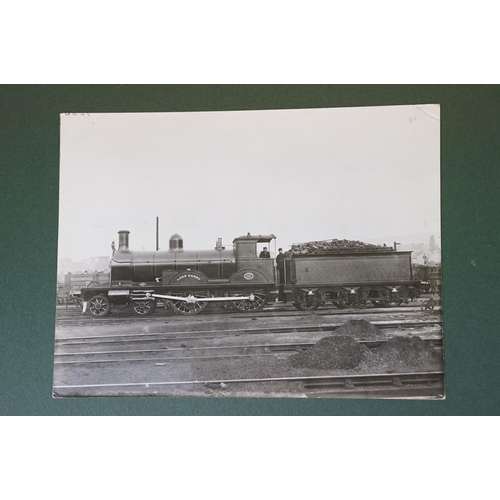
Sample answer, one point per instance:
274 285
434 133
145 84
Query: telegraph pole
157 233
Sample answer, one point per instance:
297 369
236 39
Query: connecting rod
191 299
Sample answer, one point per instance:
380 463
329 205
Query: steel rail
159 360
274 348
348 380
236 331
271 310
368 343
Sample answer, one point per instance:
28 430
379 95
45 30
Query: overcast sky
370 174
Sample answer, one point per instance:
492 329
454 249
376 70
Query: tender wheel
308 302
297 305
341 304
258 299
396 303
359 305
188 307
99 306
144 307
304 306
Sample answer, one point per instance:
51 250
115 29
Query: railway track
193 335
165 355
186 355
379 385
66 316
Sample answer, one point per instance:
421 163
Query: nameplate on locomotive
188 276
183 277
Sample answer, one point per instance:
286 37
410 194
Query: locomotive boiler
186 280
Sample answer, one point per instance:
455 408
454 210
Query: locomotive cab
247 256
186 280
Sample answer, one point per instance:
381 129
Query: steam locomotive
188 281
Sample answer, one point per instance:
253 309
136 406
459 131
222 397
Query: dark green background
29 155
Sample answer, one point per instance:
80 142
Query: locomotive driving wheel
189 306
144 307
99 306
257 301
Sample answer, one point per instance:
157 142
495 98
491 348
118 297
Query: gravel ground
77 326
332 352
360 329
403 352
341 351
151 377
335 353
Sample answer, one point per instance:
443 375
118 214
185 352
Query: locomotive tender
188 281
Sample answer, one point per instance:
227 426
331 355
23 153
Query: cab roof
257 238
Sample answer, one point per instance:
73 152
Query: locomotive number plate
248 276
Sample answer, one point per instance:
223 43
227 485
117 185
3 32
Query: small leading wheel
144 307
189 306
257 300
99 306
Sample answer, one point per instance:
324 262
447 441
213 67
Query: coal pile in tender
403 352
331 352
334 246
358 328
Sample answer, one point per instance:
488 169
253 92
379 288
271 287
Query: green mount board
29 153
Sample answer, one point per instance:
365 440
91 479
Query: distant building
100 263
92 265
432 243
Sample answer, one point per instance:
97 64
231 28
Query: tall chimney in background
123 240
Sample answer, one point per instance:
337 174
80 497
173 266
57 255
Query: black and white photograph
291 253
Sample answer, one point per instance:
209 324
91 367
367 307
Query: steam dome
176 243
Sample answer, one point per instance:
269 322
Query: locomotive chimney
123 240
218 244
